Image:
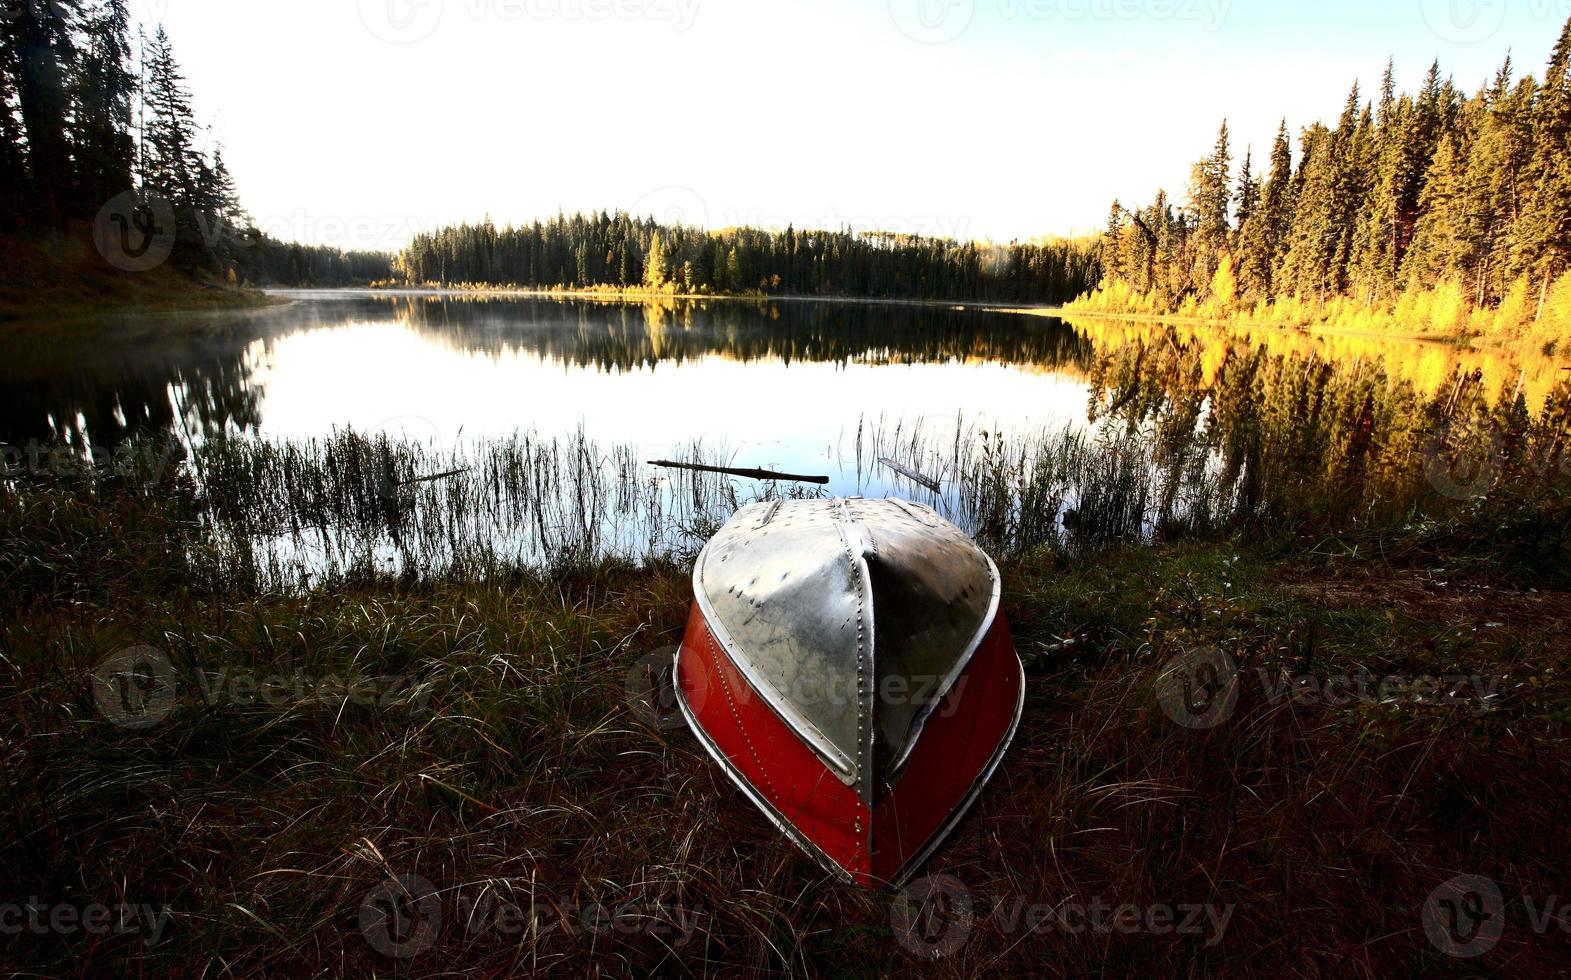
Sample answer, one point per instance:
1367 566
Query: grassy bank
496 730
1525 319
66 278
504 755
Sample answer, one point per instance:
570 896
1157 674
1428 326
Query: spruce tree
102 102
1546 225
39 35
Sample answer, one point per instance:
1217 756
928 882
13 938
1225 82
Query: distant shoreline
643 296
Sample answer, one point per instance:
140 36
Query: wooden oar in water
913 475
748 474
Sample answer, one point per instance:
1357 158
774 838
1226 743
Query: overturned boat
847 665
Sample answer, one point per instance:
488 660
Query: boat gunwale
798 837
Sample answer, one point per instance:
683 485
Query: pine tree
1209 198
1247 198
1546 226
39 34
102 104
13 156
169 138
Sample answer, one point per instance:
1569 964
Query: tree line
91 108
620 251
1447 211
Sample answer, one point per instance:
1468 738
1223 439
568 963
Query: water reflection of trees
625 337
1359 419
98 385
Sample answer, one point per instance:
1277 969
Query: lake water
783 386
1031 425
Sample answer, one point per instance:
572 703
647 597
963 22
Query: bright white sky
358 122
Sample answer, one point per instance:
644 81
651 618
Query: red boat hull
960 745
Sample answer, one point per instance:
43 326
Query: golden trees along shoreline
1432 214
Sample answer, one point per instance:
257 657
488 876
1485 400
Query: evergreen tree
13 156
1546 226
102 104
39 34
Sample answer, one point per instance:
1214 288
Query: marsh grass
515 599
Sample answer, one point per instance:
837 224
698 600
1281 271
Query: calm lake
782 386
1032 426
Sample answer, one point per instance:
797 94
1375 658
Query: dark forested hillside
98 139
621 251
1436 210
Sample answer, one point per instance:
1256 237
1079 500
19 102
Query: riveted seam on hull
725 686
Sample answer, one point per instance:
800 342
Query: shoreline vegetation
1433 213
643 294
507 739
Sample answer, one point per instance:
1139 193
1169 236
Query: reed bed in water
349 502
282 514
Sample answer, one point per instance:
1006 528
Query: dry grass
511 764
517 766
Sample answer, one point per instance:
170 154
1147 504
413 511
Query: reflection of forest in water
1288 405
1276 405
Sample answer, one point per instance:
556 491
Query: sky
358 123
